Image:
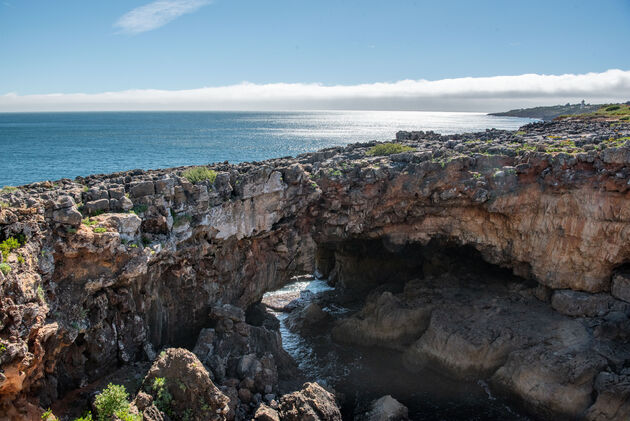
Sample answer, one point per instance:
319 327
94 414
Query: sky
294 54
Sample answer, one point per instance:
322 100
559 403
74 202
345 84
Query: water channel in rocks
362 374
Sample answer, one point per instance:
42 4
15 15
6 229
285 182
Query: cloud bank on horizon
462 94
156 14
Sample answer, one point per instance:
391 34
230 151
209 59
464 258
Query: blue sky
91 47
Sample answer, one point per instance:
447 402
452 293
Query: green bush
198 174
388 149
613 108
86 417
5 268
8 245
163 398
100 230
113 402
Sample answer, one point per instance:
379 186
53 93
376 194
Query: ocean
49 146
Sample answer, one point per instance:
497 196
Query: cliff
109 268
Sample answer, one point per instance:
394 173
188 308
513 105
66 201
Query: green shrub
41 294
89 222
388 149
163 398
198 174
100 230
46 415
86 417
613 108
8 245
112 401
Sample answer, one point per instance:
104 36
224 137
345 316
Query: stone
67 216
552 382
386 408
189 384
142 188
312 402
95 206
265 413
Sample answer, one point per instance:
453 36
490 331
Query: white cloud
154 15
462 94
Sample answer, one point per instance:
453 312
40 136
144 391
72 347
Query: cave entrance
362 265
349 275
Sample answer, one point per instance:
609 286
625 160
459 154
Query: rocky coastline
500 256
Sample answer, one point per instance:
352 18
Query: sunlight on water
50 146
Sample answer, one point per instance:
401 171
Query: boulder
189 384
311 403
551 381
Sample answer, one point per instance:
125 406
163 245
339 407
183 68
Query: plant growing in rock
113 402
163 398
41 294
86 417
385 149
89 222
8 245
47 414
198 174
5 268
100 230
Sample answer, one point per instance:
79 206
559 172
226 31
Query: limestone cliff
110 268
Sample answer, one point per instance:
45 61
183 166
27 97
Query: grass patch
8 189
100 230
385 149
520 133
8 245
89 222
199 174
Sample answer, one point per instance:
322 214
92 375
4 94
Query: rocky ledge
101 272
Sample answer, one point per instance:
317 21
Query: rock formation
109 269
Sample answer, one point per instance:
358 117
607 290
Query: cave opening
374 284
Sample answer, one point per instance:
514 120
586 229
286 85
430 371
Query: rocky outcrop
181 387
111 268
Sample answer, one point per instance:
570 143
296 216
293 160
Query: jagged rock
265 413
559 218
189 384
309 316
69 216
311 403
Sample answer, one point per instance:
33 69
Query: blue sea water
49 146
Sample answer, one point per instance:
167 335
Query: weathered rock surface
80 300
311 403
188 383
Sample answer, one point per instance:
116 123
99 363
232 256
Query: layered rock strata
111 268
